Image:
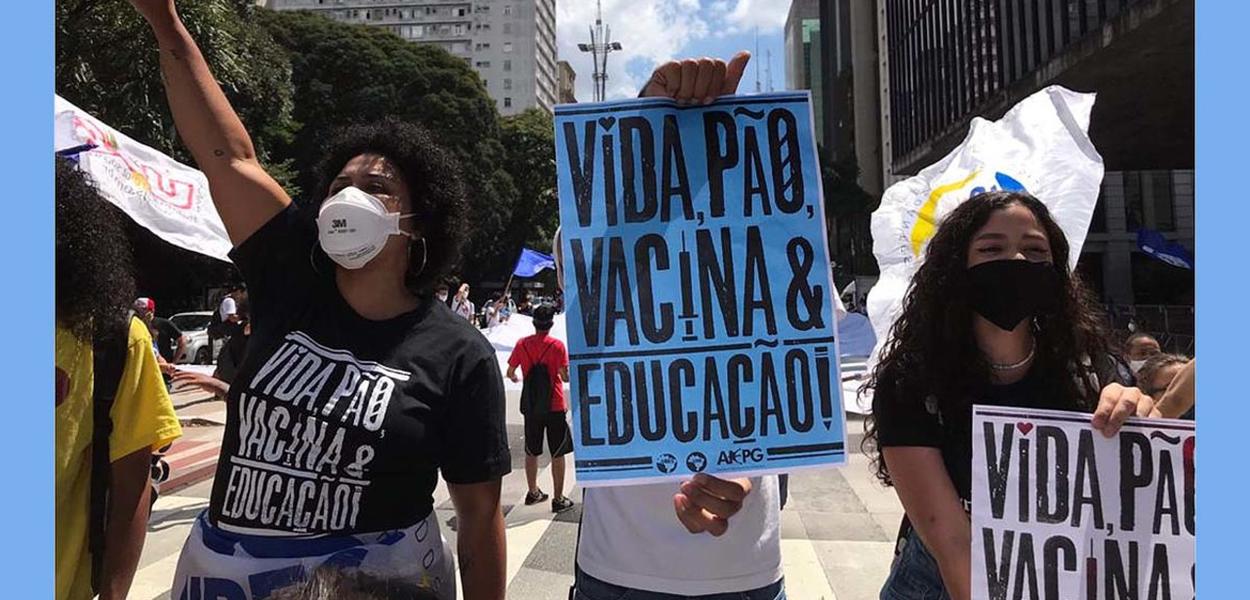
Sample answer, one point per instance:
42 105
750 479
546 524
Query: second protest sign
1060 511
700 307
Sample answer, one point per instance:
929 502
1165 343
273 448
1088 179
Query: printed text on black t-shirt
305 412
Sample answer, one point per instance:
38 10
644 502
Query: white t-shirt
463 308
227 308
631 537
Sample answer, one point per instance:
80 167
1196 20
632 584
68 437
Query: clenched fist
697 80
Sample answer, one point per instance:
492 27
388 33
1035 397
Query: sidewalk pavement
837 529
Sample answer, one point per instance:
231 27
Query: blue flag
1153 243
532 263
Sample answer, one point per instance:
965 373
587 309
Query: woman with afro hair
358 389
103 459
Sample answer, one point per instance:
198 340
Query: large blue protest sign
700 299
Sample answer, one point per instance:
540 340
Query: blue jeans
589 588
914 574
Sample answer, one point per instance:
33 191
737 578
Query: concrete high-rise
831 50
510 43
567 79
804 61
946 61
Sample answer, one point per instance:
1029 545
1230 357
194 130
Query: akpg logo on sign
741 456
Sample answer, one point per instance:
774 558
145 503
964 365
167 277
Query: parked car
194 327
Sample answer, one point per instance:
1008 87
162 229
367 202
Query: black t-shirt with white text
337 424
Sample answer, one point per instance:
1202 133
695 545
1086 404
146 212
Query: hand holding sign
706 503
1116 404
696 80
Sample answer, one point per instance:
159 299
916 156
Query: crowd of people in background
498 307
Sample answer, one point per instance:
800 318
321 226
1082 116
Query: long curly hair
434 183
931 350
94 274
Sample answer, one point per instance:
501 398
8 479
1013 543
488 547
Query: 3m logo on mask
926 218
353 226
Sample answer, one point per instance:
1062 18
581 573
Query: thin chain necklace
1017 365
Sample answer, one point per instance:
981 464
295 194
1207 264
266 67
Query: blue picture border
1220 230
26 43
27 441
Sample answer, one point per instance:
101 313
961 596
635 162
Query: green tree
848 211
107 64
529 157
344 74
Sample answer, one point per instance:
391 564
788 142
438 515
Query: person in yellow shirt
94 288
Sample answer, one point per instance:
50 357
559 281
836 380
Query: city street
837 527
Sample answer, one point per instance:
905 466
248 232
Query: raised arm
245 195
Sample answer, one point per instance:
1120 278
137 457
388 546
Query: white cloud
654 31
768 15
650 31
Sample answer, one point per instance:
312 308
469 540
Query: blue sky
655 31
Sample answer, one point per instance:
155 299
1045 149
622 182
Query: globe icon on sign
666 463
696 462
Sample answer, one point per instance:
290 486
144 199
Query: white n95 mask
353 226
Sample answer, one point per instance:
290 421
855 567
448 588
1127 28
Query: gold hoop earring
424 256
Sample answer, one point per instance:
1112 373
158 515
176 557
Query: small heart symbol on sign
1024 428
607 122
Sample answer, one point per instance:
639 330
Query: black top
167 335
338 424
231 357
918 422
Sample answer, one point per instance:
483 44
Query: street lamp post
599 47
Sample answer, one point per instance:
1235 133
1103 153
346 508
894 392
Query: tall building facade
946 61
510 43
566 83
804 63
831 49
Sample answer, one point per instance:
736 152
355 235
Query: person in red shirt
543 349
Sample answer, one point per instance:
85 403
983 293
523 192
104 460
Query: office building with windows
831 50
567 80
943 62
510 43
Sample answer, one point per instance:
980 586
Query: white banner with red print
1061 511
168 198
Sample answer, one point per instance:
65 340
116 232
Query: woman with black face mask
993 316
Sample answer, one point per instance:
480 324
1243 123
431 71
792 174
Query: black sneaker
532 498
560 505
